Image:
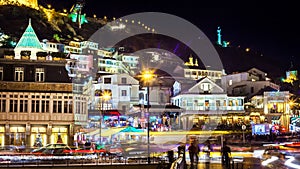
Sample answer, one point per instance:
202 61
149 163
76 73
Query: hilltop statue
219 42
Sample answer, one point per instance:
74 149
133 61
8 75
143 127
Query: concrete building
247 83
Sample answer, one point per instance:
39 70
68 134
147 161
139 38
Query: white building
124 91
247 83
207 103
52 46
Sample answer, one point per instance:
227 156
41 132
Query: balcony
32 86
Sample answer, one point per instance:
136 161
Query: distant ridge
14 21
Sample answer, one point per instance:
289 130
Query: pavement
247 163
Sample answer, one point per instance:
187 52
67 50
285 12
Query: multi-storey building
124 91
272 107
195 73
49 46
206 103
37 100
247 83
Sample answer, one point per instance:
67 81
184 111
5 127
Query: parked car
9 149
53 149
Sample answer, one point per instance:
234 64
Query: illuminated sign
260 129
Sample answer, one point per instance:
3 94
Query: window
124 80
107 80
124 108
19 74
218 103
252 89
161 98
13 106
54 106
23 106
39 74
2 105
230 103
1 73
206 104
124 92
230 82
205 87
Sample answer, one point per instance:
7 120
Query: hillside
14 21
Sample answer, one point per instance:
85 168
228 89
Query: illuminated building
191 62
271 107
124 91
37 97
291 76
205 102
195 73
110 61
52 46
277 104
247 83
161 112
29 44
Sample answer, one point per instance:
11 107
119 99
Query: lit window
39 74
1 73
19 74
230 82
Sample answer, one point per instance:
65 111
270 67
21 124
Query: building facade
37 97
247 83
206 104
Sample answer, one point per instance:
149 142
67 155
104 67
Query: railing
11 160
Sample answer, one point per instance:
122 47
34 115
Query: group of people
194 153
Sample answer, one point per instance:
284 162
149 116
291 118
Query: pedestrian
194 152
226 153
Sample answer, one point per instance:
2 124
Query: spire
29 39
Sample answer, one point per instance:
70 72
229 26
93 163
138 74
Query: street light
147 76
105 96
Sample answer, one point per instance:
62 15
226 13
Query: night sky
270 31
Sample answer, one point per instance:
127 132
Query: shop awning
111 113
276 117
270 117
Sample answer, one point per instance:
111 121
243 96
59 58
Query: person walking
194 152
226 153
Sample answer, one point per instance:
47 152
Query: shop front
38 136
59 135
17 136
2 135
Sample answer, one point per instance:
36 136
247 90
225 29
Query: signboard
260 129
